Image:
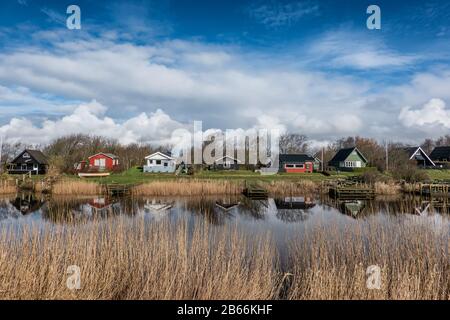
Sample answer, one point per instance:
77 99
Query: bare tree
292 143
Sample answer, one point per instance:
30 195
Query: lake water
283 218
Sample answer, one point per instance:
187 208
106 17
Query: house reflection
157 208
28 203
353 208
228 203
104 206
294 209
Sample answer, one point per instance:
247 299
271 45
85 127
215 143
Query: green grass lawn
439 174
134 176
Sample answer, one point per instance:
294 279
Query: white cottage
160 162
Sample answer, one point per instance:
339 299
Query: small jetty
116 189
94 174
254 191
352 191
434 189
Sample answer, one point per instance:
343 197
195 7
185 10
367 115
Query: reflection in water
294 209
214 210
28 202
158 209
353 208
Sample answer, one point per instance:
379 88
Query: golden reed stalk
183 187
76 187
122 258
125 259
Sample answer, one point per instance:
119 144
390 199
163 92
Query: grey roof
440 153
295 158
343 154
35 154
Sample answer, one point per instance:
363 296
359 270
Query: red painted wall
301 170
108 161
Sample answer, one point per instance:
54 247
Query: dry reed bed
76 187
125 259
284 188
383 188
182 187
7 187
332 263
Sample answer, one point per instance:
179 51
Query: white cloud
188 80
433 113
89 118
355 50
150 90
277 14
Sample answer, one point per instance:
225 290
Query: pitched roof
440 153
411 151
109 155
295 158
343 154
163 155
35 154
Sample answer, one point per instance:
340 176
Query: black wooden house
441 156
29 161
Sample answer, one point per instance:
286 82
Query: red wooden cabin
296 163
104 161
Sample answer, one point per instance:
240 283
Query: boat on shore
93 174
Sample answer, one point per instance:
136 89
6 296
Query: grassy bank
219 182
135 176
127 259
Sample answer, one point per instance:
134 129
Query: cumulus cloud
188 80
89 118
431 114
152 89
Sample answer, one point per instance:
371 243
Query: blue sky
305 66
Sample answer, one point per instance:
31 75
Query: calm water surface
283 218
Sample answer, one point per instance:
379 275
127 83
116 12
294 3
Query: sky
139 70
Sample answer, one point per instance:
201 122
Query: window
100 162
351 164
289 166
26 155
158 162
299 166
166 164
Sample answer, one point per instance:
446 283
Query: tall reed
7 187
184 187
76 187
384 188
286 188
331 262
127 259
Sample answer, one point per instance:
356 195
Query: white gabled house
159 162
